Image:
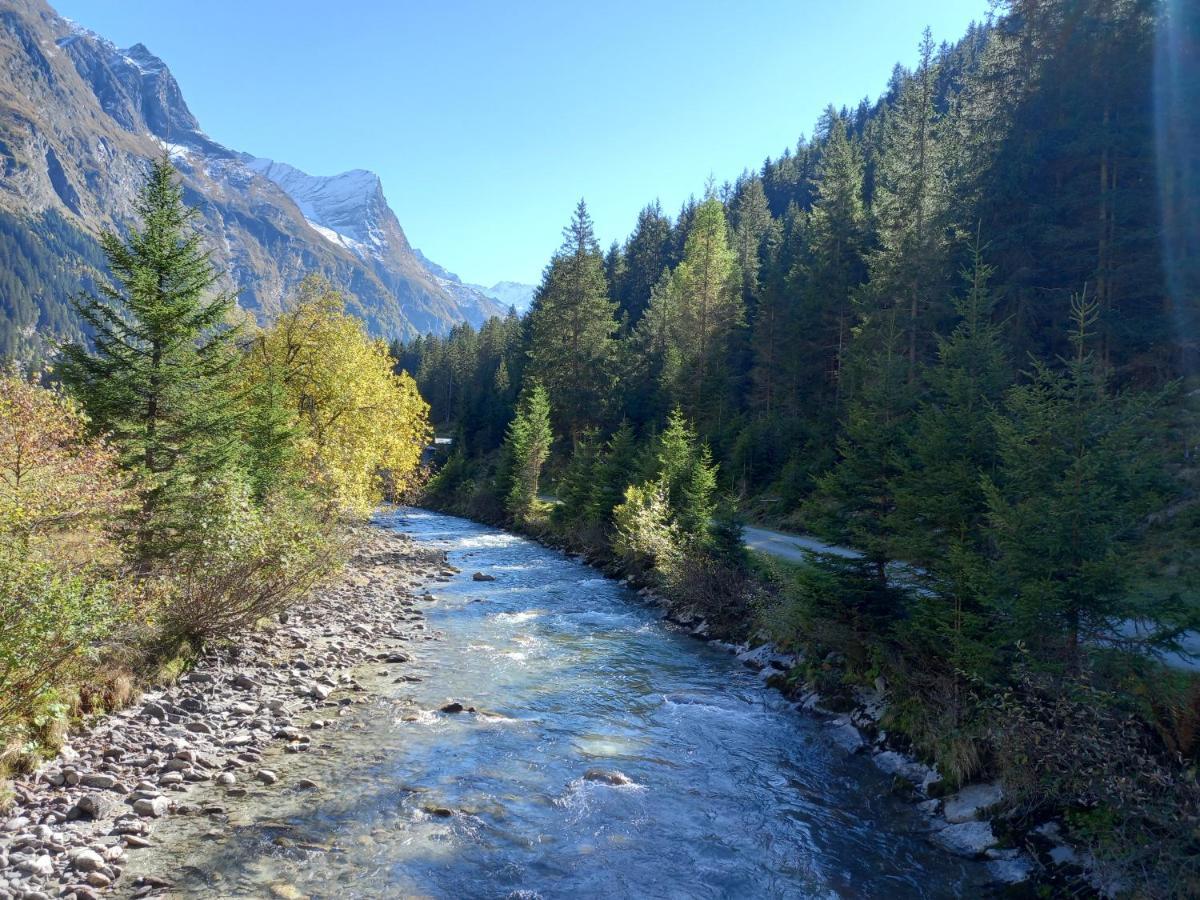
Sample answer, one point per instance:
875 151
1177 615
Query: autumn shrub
59 493
59 490
52 623
246 562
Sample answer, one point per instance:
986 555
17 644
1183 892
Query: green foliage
527 447
50 623
1076 478
698 497
571 326
645 536
248 561
158 382
855 499
612 474
577 485
675 457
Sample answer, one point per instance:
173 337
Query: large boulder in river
481 576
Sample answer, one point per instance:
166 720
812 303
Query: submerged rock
608 776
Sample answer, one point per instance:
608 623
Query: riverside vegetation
183 477
942 333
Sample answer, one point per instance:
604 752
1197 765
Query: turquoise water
730 793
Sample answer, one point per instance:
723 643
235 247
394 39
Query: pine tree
614 472
159 379
910 208
571 326
698 497
940 515
1075 480
527 447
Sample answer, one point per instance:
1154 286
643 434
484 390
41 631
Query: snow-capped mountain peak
349 205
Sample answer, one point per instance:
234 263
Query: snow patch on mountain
348 205
510 294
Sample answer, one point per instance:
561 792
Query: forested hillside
953 330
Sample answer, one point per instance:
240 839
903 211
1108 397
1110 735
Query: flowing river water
731 793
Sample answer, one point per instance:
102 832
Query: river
732 793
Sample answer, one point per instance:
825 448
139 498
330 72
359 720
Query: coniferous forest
954 331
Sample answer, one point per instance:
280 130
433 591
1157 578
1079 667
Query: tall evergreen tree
941 511
855 500
910 209
571 326
647 254
527 447
159 379
836 265
1076 478
702 308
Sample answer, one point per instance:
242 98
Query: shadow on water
729 793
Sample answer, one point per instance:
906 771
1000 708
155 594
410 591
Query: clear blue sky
487 120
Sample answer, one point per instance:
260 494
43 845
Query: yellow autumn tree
353 419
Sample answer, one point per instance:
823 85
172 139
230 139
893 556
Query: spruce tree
910 208
158 380
576 486
676 450
940 515
647 253
835 266
1076 477
571 326
698 497
615 471
855 500
527 447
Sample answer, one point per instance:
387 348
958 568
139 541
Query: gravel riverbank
76 820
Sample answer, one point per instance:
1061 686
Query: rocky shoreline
76 820
960 822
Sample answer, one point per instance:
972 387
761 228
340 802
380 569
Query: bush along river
471 715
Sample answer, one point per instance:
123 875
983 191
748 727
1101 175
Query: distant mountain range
80 118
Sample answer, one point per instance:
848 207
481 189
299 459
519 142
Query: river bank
79 816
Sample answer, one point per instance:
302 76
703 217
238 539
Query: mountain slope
509 294
80 117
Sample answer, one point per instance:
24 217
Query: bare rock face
79 120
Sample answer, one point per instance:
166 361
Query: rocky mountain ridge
80 118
